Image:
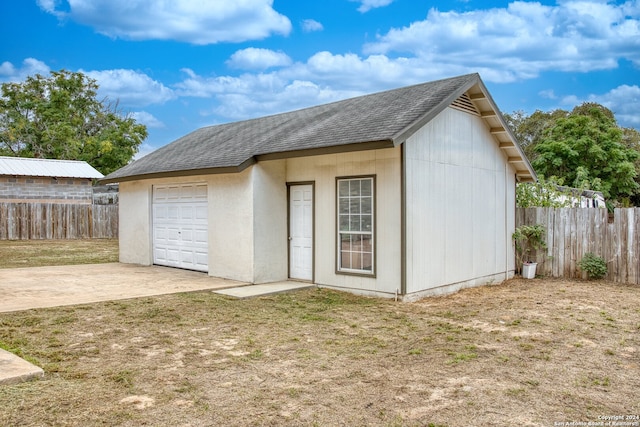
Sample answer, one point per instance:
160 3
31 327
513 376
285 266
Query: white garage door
180 226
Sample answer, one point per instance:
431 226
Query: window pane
366 243
367 261
343 188
344 222
355 187
346 241
365 205
356 242
366 187
344 206
354 205
345 260
354 224
365 223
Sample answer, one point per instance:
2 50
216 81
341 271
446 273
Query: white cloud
188 21
130 88
367 5
311 25
522 40
258 59
548 94
623 100
30 67
147 119
144 149
254 95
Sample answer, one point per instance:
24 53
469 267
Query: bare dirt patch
526 352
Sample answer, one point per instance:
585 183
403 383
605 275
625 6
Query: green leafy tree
586 150
60 117
529 130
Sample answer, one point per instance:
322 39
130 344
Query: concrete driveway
37 287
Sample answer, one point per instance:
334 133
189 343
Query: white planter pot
529 270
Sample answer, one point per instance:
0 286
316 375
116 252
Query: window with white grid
356 225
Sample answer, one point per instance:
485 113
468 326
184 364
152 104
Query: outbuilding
408 192
28 180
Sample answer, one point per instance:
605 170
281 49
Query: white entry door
180 226
301 232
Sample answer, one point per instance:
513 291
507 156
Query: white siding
457 223
323 170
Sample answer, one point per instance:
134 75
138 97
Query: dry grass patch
37 253
520 353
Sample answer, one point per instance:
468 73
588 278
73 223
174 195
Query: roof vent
465 104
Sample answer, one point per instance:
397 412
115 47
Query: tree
529 130
60 117
586 150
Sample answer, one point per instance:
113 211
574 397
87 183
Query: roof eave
337 149
179 173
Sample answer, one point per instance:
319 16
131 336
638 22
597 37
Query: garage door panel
200 237
201 214
180 229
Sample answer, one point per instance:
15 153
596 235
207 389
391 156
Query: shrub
528 238
593 265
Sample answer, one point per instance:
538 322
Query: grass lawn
36 253
525 352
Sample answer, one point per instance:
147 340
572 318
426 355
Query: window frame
339 233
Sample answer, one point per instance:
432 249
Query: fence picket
572 232
35 221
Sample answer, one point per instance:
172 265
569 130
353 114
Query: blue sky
183 64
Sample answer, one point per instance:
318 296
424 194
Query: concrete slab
39 287
250 291
14 370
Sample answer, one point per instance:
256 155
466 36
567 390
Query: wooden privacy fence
24 221
572 232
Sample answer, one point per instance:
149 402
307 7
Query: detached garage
407 193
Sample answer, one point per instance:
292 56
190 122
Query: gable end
465 104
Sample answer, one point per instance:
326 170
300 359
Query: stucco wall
460 194
135 223
231 237
242 246
270 221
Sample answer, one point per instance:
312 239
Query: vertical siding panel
456 228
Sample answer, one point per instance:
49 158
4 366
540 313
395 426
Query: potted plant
527 239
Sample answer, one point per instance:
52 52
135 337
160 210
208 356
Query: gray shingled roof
385 118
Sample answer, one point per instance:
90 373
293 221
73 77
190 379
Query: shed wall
38 189
460 206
